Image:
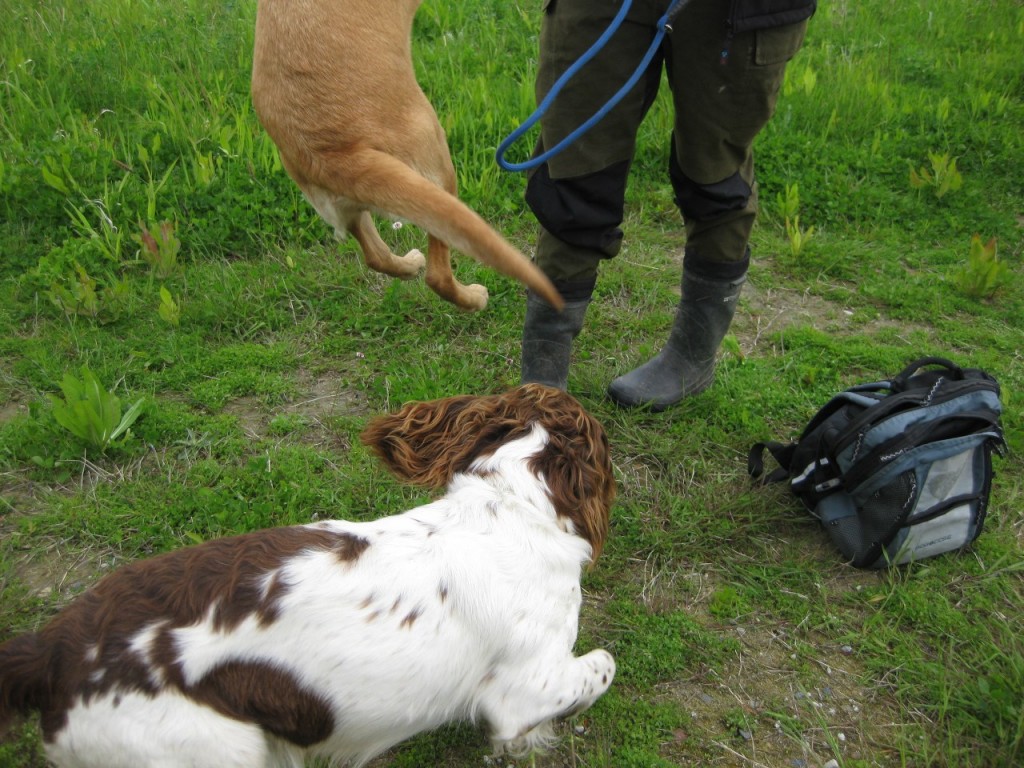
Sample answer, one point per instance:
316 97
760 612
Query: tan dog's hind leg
378 255
439 278
377 181
346 218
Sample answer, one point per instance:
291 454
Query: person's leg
548 333
724 90
578 195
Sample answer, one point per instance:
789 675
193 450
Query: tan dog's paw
474 297
412 263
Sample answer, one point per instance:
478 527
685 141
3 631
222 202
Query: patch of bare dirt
783 702
11 409
60 573
324 395
788 698
320 397
49 569
765 311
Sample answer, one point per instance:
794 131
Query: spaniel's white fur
340 639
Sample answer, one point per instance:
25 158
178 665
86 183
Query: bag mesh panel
876 519
848 535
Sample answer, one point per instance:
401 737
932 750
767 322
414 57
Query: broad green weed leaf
72 388
55 181
65 416
90 412
128 419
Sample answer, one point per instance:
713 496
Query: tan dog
333 84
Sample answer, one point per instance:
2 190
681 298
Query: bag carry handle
900 380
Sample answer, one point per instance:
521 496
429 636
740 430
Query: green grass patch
149 233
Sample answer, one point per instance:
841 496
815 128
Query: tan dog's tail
385 184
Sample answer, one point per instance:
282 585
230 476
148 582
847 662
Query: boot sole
655 405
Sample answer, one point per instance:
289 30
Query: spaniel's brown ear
408 443
426 443
576 463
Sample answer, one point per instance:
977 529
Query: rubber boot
686 364
547 340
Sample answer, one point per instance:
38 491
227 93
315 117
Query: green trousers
724 90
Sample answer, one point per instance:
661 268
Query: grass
741 637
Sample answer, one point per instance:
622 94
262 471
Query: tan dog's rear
334 86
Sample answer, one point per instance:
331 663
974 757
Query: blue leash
664 25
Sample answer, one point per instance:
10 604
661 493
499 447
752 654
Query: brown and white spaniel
340 639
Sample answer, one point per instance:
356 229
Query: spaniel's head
428 443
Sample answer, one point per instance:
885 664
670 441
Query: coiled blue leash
664 25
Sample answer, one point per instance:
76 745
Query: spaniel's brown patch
88 646
269 697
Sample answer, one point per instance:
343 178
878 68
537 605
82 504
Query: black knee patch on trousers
715 270
575 290
701 202
584 211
